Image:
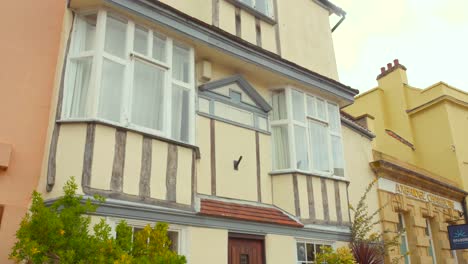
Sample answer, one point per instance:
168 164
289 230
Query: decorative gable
237 90
235 101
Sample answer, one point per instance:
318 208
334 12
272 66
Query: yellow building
204 114
420 154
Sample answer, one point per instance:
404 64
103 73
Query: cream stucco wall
207 245
104 143
315 48
280 249
242 183
358 154
158 170
283 193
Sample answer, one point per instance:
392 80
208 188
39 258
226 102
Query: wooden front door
245 251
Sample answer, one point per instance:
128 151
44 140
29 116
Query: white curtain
159 47
180 113
110 98
81 72
279 105
321 109
280 147
298 106
148 95
180 64
318 134
334 118
140 41
302 158
337 154
115 36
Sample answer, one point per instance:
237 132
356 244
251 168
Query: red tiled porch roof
268 215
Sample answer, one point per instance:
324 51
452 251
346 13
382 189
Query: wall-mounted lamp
236 163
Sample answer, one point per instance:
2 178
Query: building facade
420 160
26 81
205 115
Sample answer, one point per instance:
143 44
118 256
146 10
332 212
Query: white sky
429 37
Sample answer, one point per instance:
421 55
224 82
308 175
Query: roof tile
269 215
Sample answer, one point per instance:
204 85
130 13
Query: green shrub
60 233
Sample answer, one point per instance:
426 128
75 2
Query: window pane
140 42
247 2
321 109
310 252
181 64
148 95
80 73
232 113
337 152
159 47
279 105
115 36
318 134
334 117
280 147
302 159
301 252
87 32
111 90
311 106
262 123
263 6
180 113
298 106
404 249
174 238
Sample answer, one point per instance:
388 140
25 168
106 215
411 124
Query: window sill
152 136
253 12
305 173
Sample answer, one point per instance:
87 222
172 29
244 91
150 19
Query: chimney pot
396 62
389 66
382 69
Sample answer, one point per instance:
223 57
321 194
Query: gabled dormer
234 100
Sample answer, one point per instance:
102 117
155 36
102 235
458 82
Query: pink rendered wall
29 48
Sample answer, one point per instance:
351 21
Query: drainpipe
343 16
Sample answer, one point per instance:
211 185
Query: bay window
306 133
129 75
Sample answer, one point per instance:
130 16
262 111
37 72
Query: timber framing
214 37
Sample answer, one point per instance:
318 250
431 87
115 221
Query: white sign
411 192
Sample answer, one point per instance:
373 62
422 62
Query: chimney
390 68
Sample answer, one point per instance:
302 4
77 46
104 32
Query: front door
245 250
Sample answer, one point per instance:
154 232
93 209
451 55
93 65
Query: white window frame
431 240
268 3
181 230
290 122
332 244
94 89
404 235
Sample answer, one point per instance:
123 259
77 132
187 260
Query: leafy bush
60 234
342 255
369 247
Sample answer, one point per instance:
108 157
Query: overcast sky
429 37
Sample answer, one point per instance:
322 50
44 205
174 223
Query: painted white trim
99 54
290 122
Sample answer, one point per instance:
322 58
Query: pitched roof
350 121
246 212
